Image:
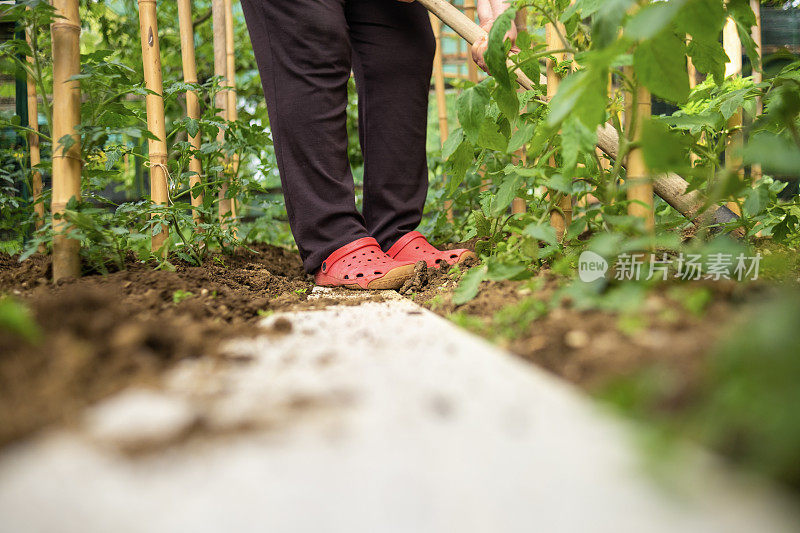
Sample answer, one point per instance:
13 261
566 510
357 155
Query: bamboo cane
472 68
221 102
33 142
230 74
65 34
560 218
154 103
670 187
692 71
755 169
192 100
518 205
639 187
441 98
733 48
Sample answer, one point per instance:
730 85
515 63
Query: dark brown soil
99 334
102 333
594 348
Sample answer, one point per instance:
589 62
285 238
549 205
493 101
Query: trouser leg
393 49
303 53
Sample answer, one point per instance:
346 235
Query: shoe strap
349 248
404 241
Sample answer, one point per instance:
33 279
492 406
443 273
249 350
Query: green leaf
651 19
542 232
471 110
582 93
756 200
775 153
496 53
575 138
468 287
505 194
452 143
192 126
663 150
16 318
483 225
606 22
708 57
560 183
660 64
508 103
112 157
499 271
521 137
490 137
701 18
458 162
750 47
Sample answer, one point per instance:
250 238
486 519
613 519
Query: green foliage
16 319
181 295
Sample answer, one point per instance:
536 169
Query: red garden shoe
414 246
362 264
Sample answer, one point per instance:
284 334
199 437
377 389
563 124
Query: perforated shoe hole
359 275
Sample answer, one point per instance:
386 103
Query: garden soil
100 334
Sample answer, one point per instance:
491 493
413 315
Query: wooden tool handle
467 29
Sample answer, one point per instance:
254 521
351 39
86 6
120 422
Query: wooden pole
65 33
441 98
670 187
639 186
733 151
221 102
755 169
230 74
472 68
33 142
560 218
692 71
192 100
154 103
518 205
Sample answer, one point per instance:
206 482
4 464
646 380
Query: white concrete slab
380 417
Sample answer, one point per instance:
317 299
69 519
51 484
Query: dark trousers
305 50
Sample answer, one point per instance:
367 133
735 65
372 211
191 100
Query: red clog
415 247
362 264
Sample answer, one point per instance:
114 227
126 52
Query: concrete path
374 418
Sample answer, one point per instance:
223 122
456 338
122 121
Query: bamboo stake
639 187
692 71
221 102
33 142
441 98
156 148
192 100
670 187
559 219
67 163
733 48
230 74
472 67
518 205
755 169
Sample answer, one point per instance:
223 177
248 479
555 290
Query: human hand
488 11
